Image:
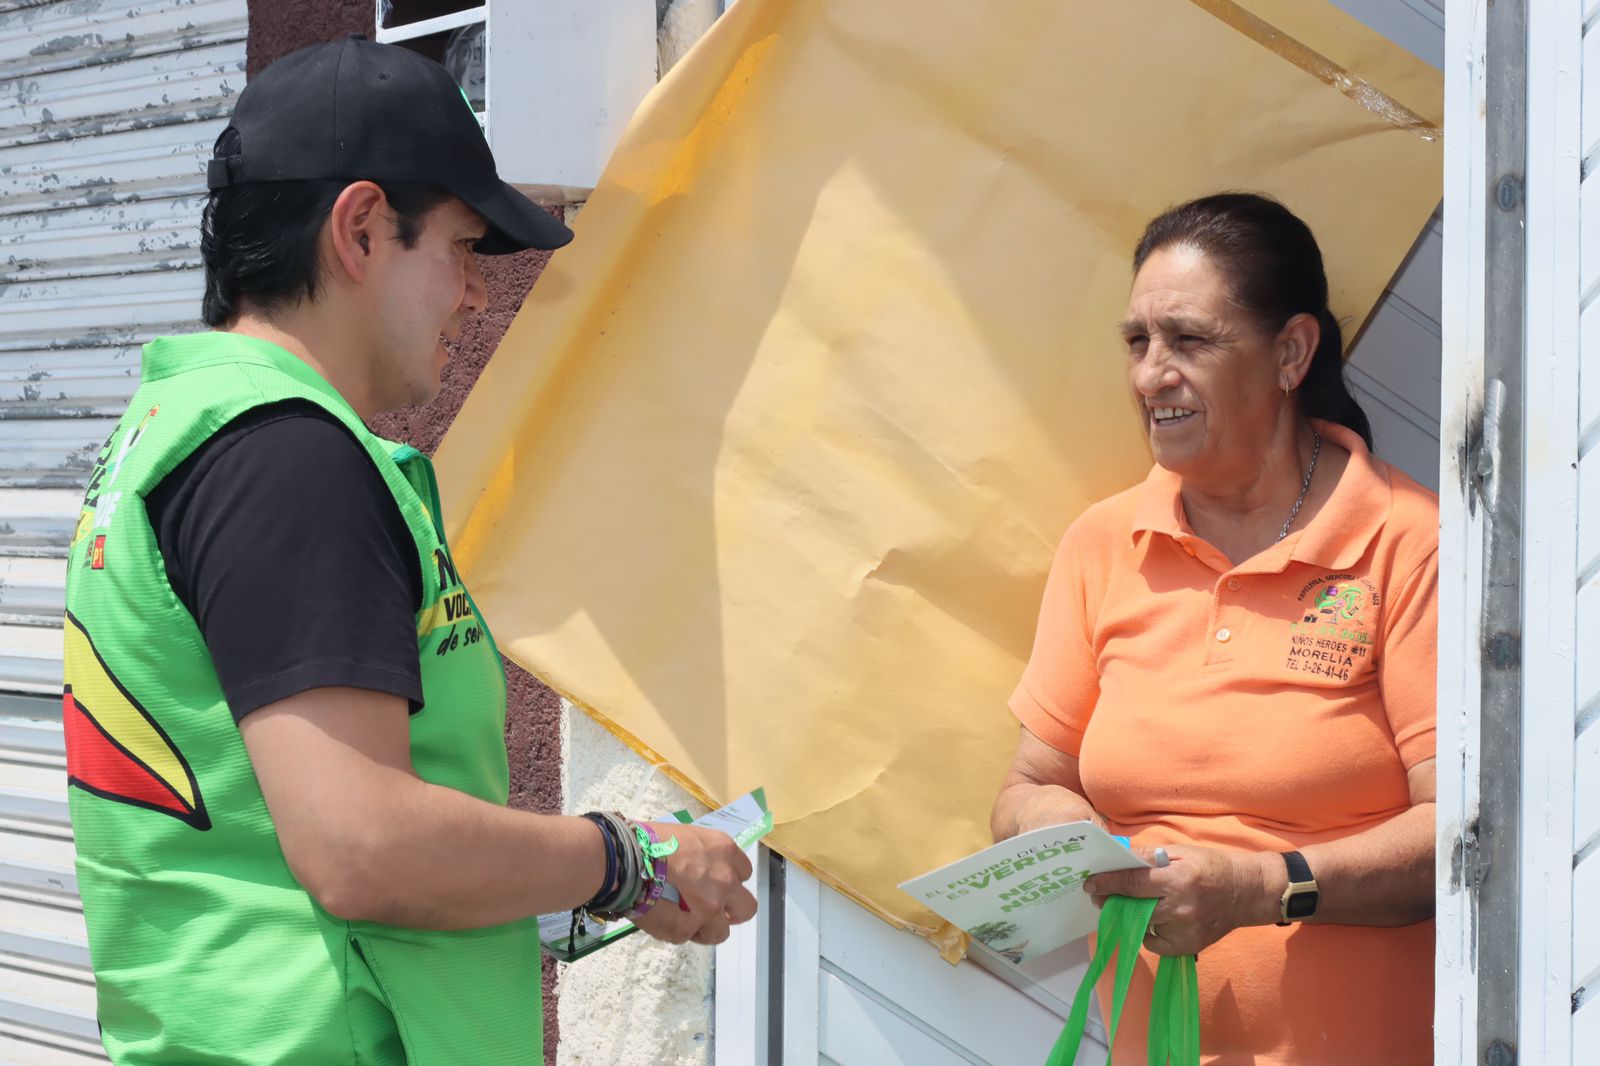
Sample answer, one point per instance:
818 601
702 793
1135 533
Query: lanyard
1175 1003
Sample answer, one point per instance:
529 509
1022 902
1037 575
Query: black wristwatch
1299 900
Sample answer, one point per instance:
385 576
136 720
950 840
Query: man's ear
354 227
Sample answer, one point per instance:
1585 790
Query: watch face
1301 905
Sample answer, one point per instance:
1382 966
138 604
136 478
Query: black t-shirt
284 542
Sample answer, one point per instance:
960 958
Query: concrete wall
638 1002
679 24
533 732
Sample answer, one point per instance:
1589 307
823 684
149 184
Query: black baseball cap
358 110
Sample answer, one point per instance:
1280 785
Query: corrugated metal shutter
1394 365
106 115
47 1009
107 112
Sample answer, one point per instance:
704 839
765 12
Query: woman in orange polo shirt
1235 661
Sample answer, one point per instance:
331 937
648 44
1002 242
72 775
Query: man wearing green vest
284 714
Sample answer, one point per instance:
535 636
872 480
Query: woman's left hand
1205 894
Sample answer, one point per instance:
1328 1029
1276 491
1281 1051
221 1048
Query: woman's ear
1296 347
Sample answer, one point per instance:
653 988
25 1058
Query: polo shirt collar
1336 538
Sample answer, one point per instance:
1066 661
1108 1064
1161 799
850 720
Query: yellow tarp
769 469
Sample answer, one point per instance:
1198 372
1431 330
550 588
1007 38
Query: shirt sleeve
1061 683
1408 671
285 543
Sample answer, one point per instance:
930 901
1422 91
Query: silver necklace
1305 486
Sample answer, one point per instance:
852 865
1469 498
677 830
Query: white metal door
1519 943
855 992
107 113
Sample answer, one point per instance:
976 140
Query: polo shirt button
1233 584
1223 635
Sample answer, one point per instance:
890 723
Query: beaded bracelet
623 862
631 879
620 845
608 885
634 860
636 868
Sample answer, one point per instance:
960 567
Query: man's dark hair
259 241
1274 271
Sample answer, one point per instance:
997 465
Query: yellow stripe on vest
90 685
451 608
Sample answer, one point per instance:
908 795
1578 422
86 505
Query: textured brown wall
278 27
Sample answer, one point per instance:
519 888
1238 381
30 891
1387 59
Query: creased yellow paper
770 467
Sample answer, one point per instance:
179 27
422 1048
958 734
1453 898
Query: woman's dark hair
1274 271
259 241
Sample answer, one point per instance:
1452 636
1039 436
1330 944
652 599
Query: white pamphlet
1024 897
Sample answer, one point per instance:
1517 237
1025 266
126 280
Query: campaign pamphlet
569 937
1024 897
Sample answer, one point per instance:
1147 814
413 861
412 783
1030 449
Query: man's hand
708 870
1205 894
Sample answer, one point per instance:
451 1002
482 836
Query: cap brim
516 223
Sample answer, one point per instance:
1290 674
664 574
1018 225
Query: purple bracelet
657 882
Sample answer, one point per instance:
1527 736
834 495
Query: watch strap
1301 894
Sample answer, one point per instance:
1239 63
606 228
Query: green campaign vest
205 947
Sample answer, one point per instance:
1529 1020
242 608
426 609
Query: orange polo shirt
1264 707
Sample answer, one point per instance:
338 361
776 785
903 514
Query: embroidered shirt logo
1332 636
1342 603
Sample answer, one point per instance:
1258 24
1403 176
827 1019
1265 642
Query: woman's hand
1042 788
1047 805
1206 893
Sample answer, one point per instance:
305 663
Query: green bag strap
1174 1038
1123 921
1175 1014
